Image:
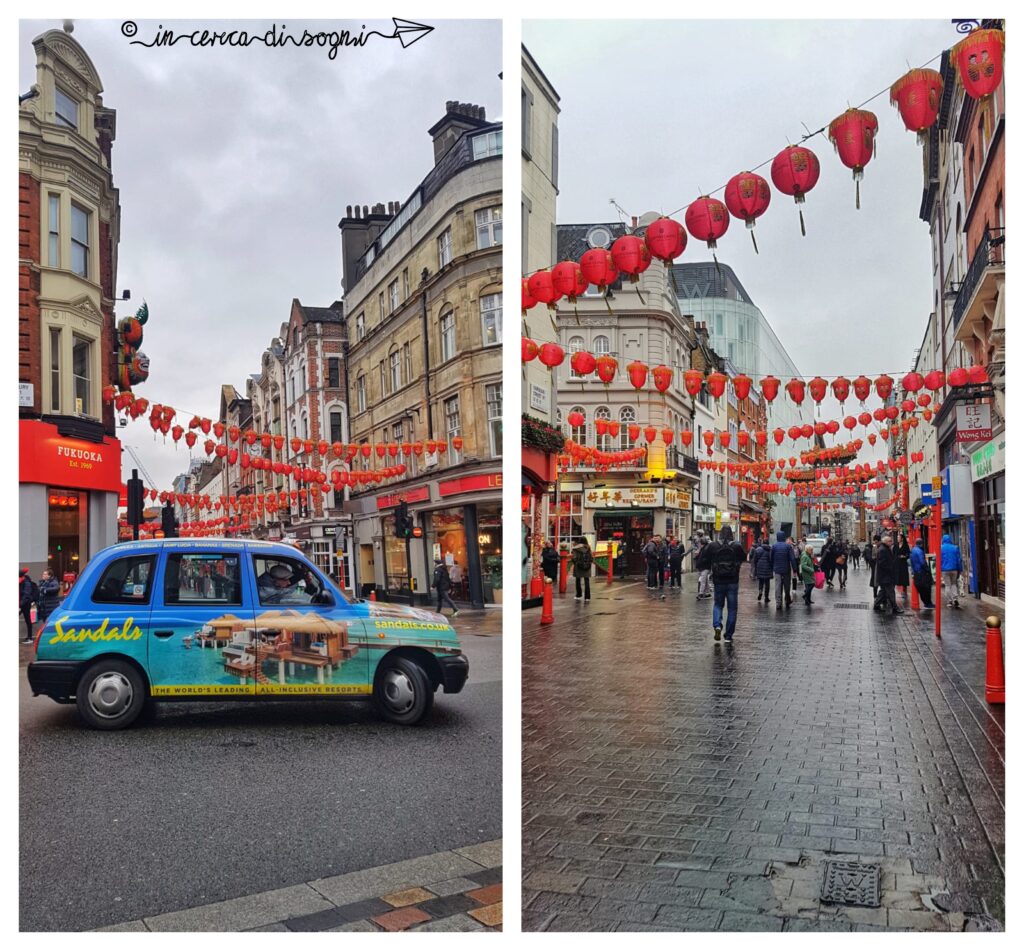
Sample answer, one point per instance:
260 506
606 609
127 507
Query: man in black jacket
885 576
549 561
675 563
724 559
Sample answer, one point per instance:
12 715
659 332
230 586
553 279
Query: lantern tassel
803 230
575 310
857 186
641 296
606 304
752 238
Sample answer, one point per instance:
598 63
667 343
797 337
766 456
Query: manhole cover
851 883
853 607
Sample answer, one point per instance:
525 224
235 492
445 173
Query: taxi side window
288 581
203 578
126 581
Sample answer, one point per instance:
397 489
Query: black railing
989 252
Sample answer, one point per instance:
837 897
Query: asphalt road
205 802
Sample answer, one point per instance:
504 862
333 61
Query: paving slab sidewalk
455 890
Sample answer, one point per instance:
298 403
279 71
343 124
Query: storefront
704 517
539 473
67 498
988 477
752 526
630 515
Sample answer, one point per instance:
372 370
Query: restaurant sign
648 496
678 499
989 459
973 422
47 457
419 494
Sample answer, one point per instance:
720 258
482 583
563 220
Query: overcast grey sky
234 167
655 112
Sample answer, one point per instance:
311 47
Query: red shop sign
477 483
420 494
47 457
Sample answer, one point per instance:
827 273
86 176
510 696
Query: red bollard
611 563
536 585
373 594
995 681
547 611
563 572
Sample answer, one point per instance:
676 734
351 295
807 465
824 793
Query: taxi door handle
163 633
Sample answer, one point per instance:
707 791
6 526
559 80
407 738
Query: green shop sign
989 459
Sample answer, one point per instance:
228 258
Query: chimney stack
459 118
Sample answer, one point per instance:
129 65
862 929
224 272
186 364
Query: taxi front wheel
110 695
402 691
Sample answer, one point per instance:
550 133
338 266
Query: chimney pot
366 211
634 221
348 211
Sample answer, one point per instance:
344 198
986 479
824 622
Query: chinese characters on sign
973 422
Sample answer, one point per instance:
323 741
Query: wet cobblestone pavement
672 783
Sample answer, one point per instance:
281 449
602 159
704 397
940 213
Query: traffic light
135 500
403 521
167 522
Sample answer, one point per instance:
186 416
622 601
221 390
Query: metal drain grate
851 883
850 606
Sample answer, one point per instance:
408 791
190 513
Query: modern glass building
739 332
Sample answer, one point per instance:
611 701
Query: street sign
936 484
26 394
973 422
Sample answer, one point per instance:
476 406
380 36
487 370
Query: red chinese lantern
601 427
924 399
598 268
551 355
819 428
278 442
528 299
849 422
417 448
935 380
686 437
795 172
884 433
530 349
853 135
761 437
747 196
707 219
634 432
908 406
862 388
841 388
666 436
568 280
662 376
741 386
692 380
190 439
795 388
818 388
575 419
872 438
631 256
978 59
770 388
709 439
977 375
832 427
778 435
957 377
457 443
650 433
607 367
637 372
583 363
912 382
883 386
891 412
807 430
743 438
666 239
793 432
879 414
716 384
724 439
613 428
542 288
917 96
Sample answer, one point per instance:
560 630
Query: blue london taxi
191 619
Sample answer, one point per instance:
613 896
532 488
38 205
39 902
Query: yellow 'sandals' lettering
413 625
126 632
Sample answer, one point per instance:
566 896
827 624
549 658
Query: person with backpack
582 562
724 558
443 583
675 563
952 568
28 594
784 564
922 575
763 570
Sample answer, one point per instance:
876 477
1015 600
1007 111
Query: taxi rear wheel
402 691
111 694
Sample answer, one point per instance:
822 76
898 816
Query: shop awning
751 507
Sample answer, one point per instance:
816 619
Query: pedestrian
763 571
903 564
49 596
662 562
952 568
703 574
885 576
784 563
827 560
855 556
443 583
549 561
796 561
842 558
582 562
724 558
807 573
675 563
652 557
28 594
870 554
922 574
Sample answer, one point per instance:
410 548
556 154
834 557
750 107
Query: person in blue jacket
952 568
784 563
921 573
761 557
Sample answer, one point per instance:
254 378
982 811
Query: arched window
602 442
575 345
627 415
578 433
601 345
